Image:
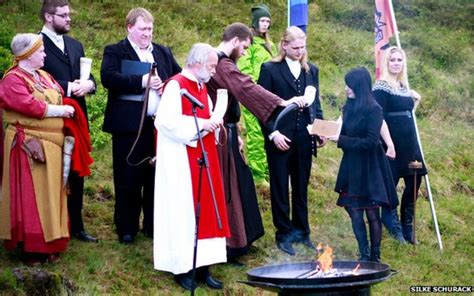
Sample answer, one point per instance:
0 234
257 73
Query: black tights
360 232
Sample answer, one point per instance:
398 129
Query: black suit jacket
124 116
277 78
65 67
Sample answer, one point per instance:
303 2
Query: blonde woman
398 101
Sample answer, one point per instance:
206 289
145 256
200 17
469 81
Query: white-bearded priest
177 177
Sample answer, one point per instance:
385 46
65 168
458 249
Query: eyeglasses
63 16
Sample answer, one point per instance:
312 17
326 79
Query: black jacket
65 67
277 78
124 116
364 170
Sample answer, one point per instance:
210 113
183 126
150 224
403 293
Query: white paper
309 94
67 152
85 68
221 105
219 111
153 102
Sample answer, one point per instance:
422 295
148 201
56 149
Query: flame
355 271
325 259
319 247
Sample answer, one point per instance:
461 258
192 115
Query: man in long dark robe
242 207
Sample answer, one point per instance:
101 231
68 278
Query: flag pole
288 12
427 179
395 27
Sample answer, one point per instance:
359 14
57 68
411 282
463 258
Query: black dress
397 105
364 179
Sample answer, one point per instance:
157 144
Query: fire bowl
290 278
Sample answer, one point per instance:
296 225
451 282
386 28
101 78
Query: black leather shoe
85 237
213 283
147 233
126 239
307 242
286 247
186 282
234 262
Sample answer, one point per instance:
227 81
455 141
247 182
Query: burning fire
325 259
324 268
355 271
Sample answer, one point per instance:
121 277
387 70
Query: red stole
77 128
208 227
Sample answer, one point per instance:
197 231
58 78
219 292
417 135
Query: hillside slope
438 37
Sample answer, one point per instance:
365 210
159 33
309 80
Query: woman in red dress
33 209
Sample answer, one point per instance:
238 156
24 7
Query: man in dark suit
62 61
134 184
289 148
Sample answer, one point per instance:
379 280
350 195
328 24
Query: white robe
174 214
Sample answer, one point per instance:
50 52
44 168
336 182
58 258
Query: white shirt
57 39
295 67
145 55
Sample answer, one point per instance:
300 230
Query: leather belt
400 113
133 98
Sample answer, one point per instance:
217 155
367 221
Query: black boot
407 211
375 253
407 216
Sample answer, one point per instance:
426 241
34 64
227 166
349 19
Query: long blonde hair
292 33
400 79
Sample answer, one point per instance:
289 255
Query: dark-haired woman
364 181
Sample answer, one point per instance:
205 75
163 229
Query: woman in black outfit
397 102
364 181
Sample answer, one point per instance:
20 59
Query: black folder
130 67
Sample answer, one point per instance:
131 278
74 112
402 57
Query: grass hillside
438 38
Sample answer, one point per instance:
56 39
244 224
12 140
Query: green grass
438 38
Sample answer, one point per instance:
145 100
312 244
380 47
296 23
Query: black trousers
296 164
75 201
134 185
